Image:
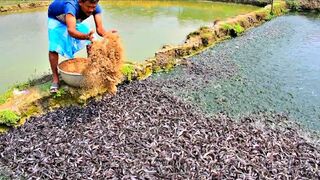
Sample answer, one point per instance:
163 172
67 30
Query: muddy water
143 25
23 47
275 67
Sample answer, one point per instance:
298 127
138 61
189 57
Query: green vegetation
205 38
233 30
169 65
146 72
3 129
204 28
294 4
128 70
44 87
61 92
227 26
9 117
206 35
279 8
22 86
192 34
7 95
270 16
198 32
239 29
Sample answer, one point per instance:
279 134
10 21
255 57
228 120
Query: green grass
127 70
8 117
237 28
44 87
3 129
294 5
5 96
60 93
9 93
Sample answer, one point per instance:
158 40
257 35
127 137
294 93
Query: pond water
144 26
278 70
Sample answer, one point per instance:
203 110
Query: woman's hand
90 36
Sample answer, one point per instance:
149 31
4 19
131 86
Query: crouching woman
68 33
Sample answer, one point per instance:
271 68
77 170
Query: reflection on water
143 25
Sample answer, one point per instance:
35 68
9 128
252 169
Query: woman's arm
71 25
99 25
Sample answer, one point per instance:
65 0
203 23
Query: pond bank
252 2
23 6
301 5
304 5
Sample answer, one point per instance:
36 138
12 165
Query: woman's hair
92 1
